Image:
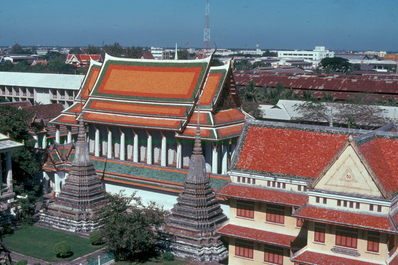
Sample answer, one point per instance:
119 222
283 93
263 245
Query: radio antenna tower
206 31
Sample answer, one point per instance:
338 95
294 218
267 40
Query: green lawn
154 262
39 242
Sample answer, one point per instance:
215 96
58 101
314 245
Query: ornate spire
197 214
176 53
82 194
82 157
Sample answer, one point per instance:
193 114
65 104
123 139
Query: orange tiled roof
137 108
132 121
310 257
245 192
382 157
288 151
256 235
345 218
65 119
88 83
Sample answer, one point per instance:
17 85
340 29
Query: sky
272 24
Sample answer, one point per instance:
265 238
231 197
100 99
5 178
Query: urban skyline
339 25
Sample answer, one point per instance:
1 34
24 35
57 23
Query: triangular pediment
348 174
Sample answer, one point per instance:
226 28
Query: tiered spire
197 214
81 196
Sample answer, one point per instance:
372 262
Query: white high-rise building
314 56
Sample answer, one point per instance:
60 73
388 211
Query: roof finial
176 53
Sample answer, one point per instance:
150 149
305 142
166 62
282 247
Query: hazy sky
284 24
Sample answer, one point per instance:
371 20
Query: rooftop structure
197 214
314 56
82 195
39 88
82 60
141 116
327 195
341 87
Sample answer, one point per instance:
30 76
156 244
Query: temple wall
165 200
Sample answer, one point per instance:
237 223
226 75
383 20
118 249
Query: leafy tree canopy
130 229
17 49
335 64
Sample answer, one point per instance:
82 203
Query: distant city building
314 56
82 60
39 88
157 53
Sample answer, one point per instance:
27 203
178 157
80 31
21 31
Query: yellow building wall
258 255
330 239
259 221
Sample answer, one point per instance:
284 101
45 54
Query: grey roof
6 144
60 81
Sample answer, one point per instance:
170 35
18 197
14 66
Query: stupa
82 195
197 215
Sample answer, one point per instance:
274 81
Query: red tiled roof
345 218
256 235
227 132
65 119
288 151
338 86
228 116
45 112
138 109
245 192
213 82
89 82
309 257
382 157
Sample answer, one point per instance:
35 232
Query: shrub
22 262
96 238
168 256
62 250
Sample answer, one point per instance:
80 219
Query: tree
183 54
134 52
335 64
75 50
17 49
352 115
93 50
267 53
115 49
130 229
62 250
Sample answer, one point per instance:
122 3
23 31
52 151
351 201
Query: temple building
7 146
197 215
82 196
140 117
315 195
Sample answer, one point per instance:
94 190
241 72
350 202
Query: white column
57 135
44 142
97 142
57 183
36 138
45 182
224 163
1 173
122 147
163 155
149 149
135 147
109 155
179 155
214 162
69 139
9 170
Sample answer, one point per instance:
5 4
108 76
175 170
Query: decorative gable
348 174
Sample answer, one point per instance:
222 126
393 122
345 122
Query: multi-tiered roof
82 195
159 94
197 215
